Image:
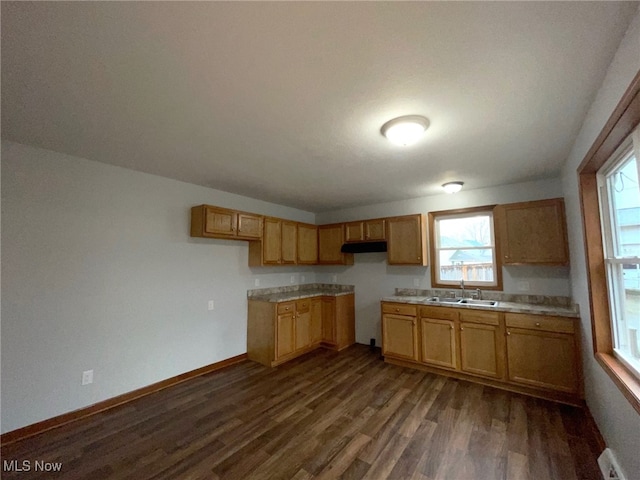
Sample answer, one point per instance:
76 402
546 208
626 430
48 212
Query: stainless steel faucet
478 294
462 287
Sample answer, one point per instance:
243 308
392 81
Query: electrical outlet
609 466
416 282
211 305
523 286
87 377
256 282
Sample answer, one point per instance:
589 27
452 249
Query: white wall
617 420
374 279
100 273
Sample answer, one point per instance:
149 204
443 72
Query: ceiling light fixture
405 130
452 187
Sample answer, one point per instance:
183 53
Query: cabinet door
533 232
316 321
542 359
289 242
285 334
303 329
400 336
479 351
249 226
307 244
345 322
375 230
406 241
438 341
329 320
272 241
354 232
219 221
330 240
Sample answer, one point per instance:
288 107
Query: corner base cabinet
278 332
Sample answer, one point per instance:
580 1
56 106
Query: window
463 248
619 197
613 226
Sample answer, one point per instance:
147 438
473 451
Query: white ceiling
284 101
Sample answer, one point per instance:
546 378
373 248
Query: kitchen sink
443 300
471 301
461 301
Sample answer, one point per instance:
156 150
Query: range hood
364 247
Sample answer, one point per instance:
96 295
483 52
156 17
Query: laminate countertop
501 306
287 294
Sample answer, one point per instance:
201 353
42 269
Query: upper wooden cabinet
271 244
533 232
365 231
289 250
216 222
407 240
330 240
307 244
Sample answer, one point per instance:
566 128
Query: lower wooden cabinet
532 354
438 338
285 332
400 336
338 321
542 352
278 332
482 344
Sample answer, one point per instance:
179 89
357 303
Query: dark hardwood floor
326 415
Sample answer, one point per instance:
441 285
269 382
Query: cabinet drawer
539 322
441 313
286 307
303 306
476 316
399 309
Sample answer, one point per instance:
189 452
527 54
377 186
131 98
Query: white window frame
613 260
496 283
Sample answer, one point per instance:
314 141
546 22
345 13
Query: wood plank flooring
326 415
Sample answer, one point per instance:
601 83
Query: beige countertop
513 307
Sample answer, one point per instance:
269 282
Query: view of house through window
465 249
620 208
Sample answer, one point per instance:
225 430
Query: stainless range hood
364 247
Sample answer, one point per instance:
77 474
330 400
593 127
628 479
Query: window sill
626 382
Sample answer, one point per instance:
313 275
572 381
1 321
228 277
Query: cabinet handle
397 309
461 329
451 327
537 324
508 332
413 322
286 308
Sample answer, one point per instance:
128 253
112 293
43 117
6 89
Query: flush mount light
405 130
452 187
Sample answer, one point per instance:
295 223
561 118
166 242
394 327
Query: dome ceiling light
405 130
452 187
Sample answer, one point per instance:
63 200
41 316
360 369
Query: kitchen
101 272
